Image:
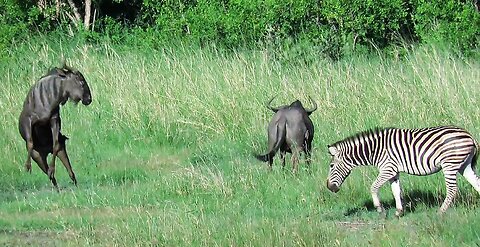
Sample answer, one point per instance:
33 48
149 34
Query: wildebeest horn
274 109
66 67
309 111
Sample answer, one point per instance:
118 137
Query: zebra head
340 167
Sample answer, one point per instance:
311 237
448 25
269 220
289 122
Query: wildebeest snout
87 97
332 187
87 100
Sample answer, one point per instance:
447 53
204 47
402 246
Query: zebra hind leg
397 194
471 176
451 183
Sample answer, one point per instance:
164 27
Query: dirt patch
34 238
359 225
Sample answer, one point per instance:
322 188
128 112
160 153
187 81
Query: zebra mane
362 134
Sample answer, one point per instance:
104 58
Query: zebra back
415 151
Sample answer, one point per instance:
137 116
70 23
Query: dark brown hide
40 122
290 130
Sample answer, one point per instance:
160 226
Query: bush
451 21
10 24
378 22
333 27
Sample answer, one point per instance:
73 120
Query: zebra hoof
382 214
399 213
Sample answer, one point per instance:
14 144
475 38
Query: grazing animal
40 122
290 130
414 151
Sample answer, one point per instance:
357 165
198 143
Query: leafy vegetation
334 28
163 155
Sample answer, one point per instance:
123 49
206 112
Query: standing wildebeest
290 130
40 123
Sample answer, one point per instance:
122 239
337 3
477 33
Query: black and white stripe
413 151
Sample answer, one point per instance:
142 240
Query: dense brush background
163 155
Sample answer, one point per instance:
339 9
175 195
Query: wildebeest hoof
28 168
51 171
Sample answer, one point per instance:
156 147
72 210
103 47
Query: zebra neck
366 150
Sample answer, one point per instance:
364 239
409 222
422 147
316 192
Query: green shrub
367 21
334 27
10 26
451 21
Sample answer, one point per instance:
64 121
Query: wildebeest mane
296 103
62 71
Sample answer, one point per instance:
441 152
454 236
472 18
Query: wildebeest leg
282 158
295 154
308 156
41 159
270 162
55 125
26 129
28 163
62 155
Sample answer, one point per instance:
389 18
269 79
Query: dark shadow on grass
410 202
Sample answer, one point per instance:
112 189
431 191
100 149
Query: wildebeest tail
279 136
263 157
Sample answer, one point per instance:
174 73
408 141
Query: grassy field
163 155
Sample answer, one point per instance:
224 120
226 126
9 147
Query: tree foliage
330 25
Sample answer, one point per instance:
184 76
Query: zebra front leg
451 183
397 194
382 178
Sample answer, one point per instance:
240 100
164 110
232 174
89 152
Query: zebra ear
333 150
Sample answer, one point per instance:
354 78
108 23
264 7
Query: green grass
163 155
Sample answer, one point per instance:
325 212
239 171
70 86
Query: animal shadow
410 202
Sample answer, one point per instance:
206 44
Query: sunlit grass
163 155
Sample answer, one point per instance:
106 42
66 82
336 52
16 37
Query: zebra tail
475 157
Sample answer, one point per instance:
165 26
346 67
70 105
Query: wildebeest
290 130
40 122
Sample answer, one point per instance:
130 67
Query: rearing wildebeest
40 122
290 130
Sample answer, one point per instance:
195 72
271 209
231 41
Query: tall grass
163 154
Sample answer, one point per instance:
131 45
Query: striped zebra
413 151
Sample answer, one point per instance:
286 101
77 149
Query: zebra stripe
413 151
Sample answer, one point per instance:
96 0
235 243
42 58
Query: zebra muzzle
332 187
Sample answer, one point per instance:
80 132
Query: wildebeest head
75 84
296 103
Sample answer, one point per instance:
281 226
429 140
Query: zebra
413 151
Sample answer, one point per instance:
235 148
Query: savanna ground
163 155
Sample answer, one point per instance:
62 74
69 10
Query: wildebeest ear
333 150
